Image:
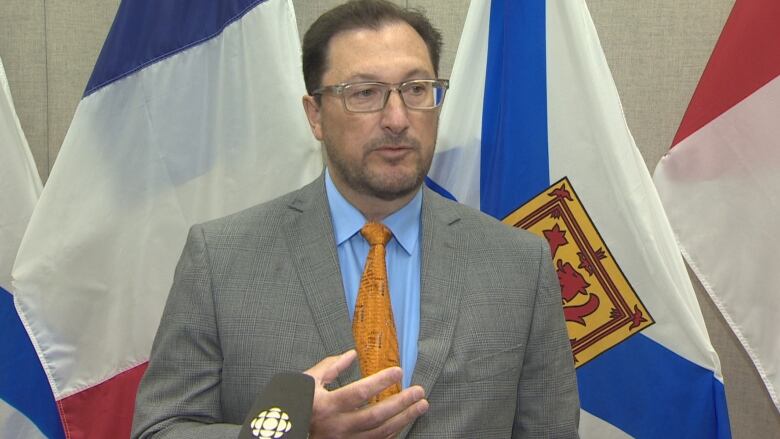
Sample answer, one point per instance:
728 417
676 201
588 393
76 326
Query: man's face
385 154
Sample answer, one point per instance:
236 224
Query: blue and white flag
192 112
27 407
533 133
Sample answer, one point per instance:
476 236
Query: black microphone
283 409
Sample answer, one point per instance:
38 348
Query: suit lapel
313 252
441 285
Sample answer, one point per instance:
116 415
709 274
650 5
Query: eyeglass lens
372 97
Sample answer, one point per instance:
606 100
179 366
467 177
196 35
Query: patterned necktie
372 324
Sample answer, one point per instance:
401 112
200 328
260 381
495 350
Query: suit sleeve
547 396
179 396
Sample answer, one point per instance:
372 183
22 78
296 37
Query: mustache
391 140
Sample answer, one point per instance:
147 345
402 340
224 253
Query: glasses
368 97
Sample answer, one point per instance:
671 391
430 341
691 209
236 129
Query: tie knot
376 233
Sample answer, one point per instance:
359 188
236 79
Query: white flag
20 185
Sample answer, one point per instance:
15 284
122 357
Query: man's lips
393 151
394 147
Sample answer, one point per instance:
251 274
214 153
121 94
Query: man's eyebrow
362 77
418 73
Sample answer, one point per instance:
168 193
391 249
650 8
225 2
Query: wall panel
448 18
23 51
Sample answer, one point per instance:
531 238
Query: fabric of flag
20 185
192 112
719 181
27 408
533 133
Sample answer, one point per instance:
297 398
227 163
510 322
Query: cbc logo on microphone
271 423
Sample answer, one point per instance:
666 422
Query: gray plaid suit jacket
260 292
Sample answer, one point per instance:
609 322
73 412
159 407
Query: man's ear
313 114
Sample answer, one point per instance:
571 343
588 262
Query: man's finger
392 414
394 425
355 395
330 368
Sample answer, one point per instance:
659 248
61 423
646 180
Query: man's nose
395 116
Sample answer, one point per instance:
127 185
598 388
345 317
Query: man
476 310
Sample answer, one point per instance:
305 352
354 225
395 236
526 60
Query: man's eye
364 93
416 89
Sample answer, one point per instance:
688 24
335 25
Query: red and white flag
719 181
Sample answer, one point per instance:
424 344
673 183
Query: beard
387 182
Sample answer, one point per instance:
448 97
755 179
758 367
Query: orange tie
372 324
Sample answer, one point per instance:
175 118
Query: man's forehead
373 34
366 53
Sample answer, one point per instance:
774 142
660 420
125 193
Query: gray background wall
656 49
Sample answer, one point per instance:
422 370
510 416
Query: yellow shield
600 306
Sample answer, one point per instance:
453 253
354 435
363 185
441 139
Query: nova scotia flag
533 133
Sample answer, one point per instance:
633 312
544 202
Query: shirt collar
347 220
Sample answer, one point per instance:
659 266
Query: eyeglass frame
338 90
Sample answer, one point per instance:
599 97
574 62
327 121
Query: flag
718 181
192 112
27 407
533 134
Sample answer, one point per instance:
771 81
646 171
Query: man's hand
343 413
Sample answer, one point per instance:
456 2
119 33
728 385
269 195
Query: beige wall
656 48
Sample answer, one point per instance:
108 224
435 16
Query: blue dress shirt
403 265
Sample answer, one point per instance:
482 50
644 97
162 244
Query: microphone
283 409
